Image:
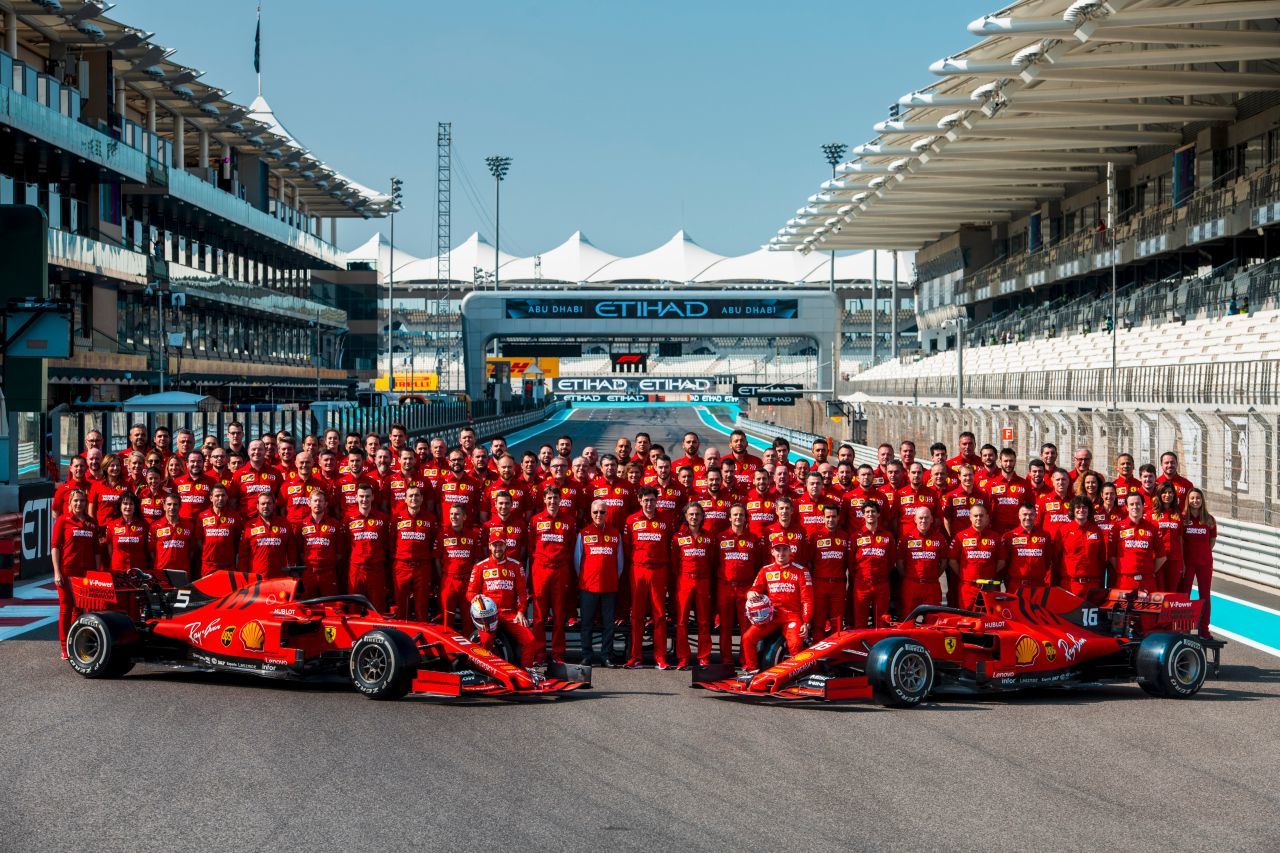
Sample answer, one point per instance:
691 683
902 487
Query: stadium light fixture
498 167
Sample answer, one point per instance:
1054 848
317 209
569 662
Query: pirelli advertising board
651 309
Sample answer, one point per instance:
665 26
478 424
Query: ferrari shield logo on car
227 634
330 633
949 644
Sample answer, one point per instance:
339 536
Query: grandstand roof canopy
150 74
679 261
1055 91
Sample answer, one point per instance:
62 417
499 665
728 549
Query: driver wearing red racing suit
502 579
790 591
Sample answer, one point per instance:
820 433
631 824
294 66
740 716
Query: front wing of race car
723 679
560 678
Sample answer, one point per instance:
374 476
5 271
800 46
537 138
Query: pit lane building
164 195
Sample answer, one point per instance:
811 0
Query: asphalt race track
163 760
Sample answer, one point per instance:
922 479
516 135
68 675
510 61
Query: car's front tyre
382 663
900 672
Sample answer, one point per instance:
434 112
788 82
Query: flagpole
257 50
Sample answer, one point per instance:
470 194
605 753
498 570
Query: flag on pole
257 44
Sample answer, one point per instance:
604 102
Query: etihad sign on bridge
632 384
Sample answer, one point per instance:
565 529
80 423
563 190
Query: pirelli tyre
773 651
100 645
900 672
383 663
1172 666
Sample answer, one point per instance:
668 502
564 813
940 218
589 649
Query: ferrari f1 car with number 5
237 622
1037 638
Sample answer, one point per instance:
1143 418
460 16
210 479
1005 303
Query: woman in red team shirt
106 491
173 469
74 548
127 537
1107 512
1090 485
151 496
1167 517
1199 532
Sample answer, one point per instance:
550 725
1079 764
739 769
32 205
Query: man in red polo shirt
217 533
787 529
922 557
1028 551
1082 549
193 487
267 544
912 496
413 539
647 540
745 463
1007 491
172 541
759 503
457 487
966 456
1169 474
1137 551
693 550
830 553
552 536
458 546
1054 509
875 552
321 546
615 493
738 558
975 556
509 483
369 536
255 478
504 523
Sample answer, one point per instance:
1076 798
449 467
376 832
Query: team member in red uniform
321 546
616 493
74 550
858 496
1108 512
172 541
958 502
1124 480
729 478
1169 474
437 463
1037 483
266 543
759 504
809 506
692 453
715 502
1007 492
218 533
458 546
368 534
77 478
1082 548
790 591
1137 553
349 483
256 477
193 487
553 534
787 528
647 540
975 556
830 555
875 550
912 496
745 462
1167 518
1054 509
151 496
105 492
738 558
413 539
517 491
296 489
573 498
670 494
501 579
922 557
126 537
598 563
505 523
1028 551
405 476
692 552
1199 532
966 456
941 481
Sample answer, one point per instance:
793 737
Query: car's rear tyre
98 645
900 672
383 663
1171 666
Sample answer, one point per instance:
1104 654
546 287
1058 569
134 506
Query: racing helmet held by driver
484 613
759 610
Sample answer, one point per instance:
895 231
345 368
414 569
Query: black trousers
591 603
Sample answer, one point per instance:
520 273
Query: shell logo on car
252 636
1026 651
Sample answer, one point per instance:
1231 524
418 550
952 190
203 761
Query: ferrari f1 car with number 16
1037 638
237 622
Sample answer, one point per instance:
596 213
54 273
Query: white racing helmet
484 613
759 609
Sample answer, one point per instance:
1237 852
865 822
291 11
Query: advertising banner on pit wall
641 384
549 366
651 309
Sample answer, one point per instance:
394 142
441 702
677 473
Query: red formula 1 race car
1039 638
237 622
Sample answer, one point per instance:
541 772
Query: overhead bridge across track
610 314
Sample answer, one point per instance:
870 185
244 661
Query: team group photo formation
663 426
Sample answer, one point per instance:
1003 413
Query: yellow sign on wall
410 382
550 367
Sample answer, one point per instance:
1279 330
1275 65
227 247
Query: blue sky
628 121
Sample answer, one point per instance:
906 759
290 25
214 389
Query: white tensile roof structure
679 261
1054 91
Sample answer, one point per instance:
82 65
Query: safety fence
1244 550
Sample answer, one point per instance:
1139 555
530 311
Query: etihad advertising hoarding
651 309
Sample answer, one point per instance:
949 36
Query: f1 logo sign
628 358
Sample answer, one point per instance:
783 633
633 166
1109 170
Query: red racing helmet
759 609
